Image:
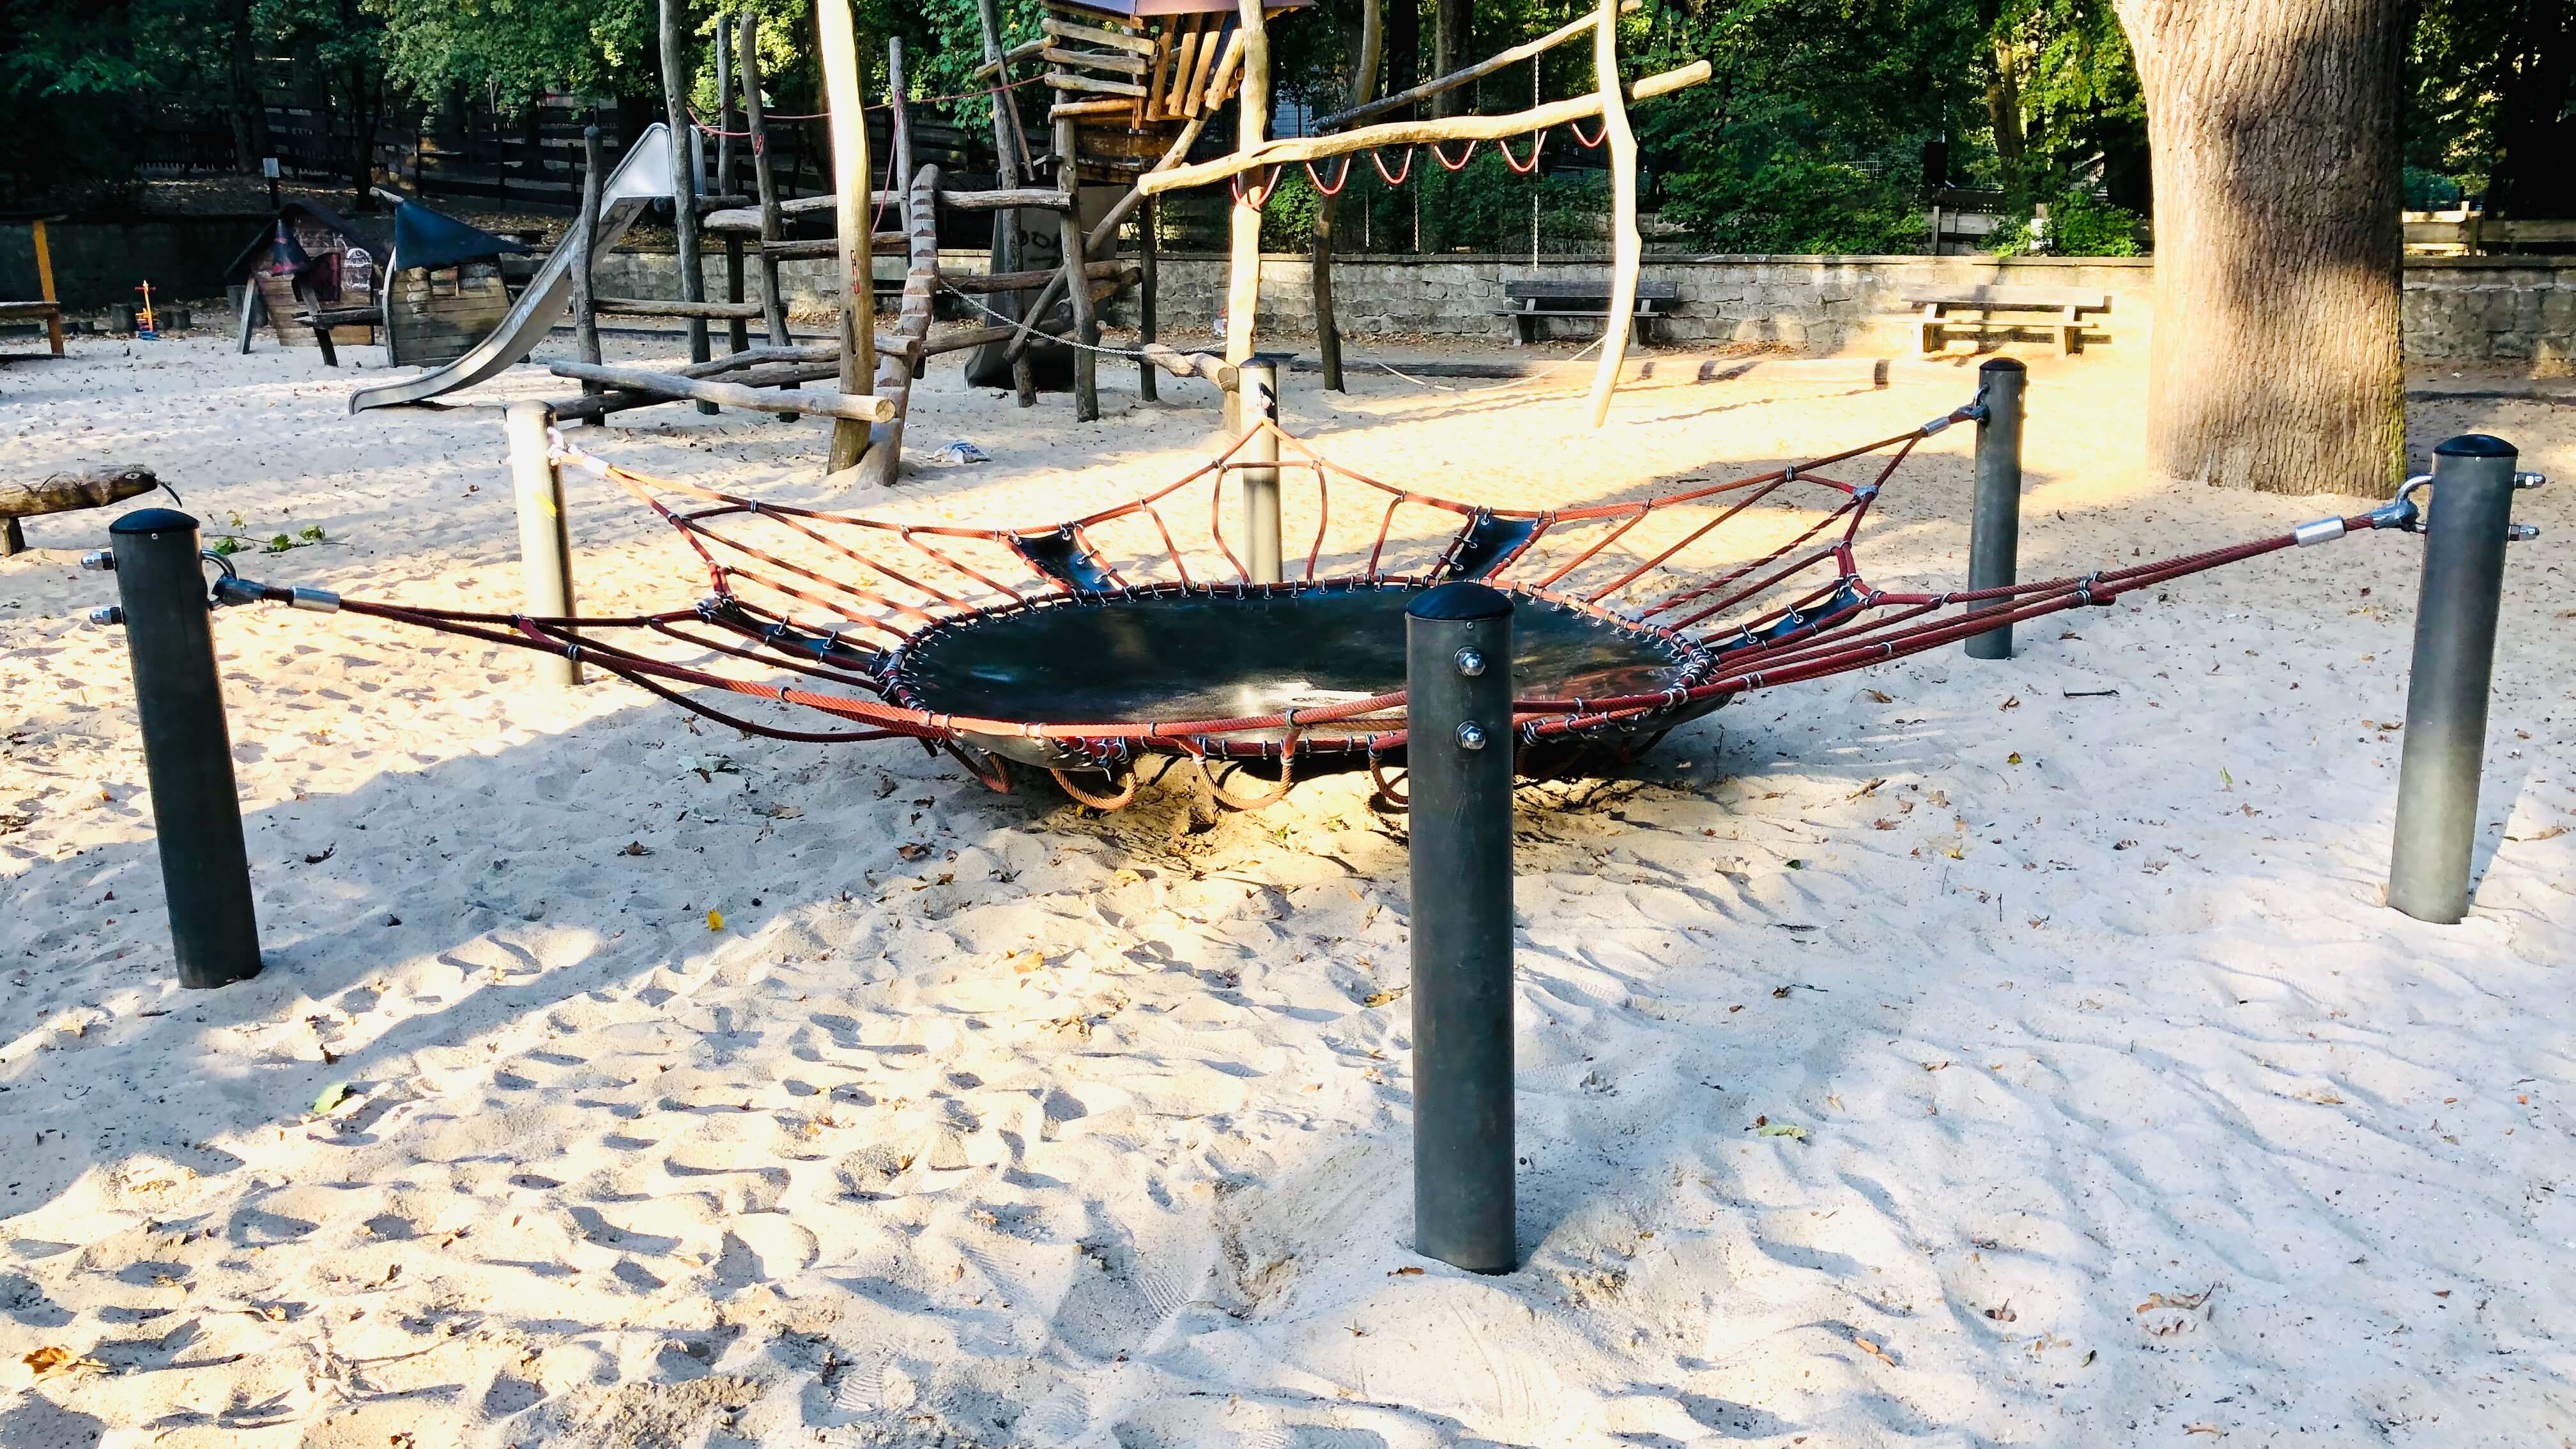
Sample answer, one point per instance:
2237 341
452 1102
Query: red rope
1398 178
1524 167
1256 198
1339 181
1598 135
1448 165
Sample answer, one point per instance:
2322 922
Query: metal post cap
1462 599
2474 445
152 520
2002 364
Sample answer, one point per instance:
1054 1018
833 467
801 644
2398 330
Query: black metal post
187 751
1994 528
2446 693
1458 682
1257 380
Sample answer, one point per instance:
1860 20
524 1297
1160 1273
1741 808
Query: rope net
1721 588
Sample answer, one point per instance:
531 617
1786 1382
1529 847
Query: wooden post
1149 227
1627 247
764 180
1009 168
1243 265
45 287
1086 327
684 197
850 189
585 254
1328 331
737 331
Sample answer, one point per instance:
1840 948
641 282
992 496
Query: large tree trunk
249 106
1450 20
2273 125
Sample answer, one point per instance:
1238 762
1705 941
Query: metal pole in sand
2446 692
1994 528
187 749
545 540
1458 685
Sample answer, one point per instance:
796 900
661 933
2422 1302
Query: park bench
1531 301
1935 322
323 319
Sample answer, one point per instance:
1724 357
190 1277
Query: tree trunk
1450 21
1328 328
249 105
2003 113
1403 45
2273 124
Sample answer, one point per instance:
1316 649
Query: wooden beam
993 68
1067 30
1243 262
1406 133
662 307
1061 109
45 285
1067 81
859 409
1024 281
849 127
1097 60
1490 64
1044 198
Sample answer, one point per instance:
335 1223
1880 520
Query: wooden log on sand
66 493
847 407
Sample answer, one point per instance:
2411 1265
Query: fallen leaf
715 920
1869 789
1382 998
1124 876
912 850
1783 1129
1027 961
636 847
1882 696
1934 1067
1406 1272
50 1360
327 852
2013 759
2010 702
1795 864
1882 824
2190 1429
2003 1314
332 1096
1873 1350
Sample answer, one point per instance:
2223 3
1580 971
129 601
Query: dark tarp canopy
424 238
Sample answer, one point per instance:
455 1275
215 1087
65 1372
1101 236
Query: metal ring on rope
1340 180
1119 801
997 779
1287 778
1385 787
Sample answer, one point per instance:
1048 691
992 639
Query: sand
2132 1116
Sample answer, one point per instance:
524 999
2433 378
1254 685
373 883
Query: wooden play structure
43 309
1133 84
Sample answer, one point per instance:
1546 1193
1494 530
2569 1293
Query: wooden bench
45 309
1934 320
323 319
1532 301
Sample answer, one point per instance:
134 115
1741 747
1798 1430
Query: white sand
2122 1020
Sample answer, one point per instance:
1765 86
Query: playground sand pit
615 1079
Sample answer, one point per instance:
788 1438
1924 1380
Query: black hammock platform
1080 646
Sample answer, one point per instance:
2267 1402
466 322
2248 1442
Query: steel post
1994 528
545 540
2446 691
1458 683
187 748
1257 383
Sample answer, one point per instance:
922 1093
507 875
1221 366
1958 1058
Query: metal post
1994 528
2446 693
1458 684
1257 384
545 542
187 750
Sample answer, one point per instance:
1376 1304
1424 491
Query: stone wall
2519 310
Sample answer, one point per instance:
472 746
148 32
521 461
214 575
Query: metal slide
641 179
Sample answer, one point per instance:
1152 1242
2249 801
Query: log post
45 285
1458 706
737 331
585 252
1149 226
1086 327
1627 246
545 537
684 198
850 190
1994 526
1243 259
1328 331
1009 167
764 179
